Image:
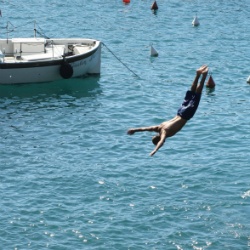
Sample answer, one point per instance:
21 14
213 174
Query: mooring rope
14 28
120 60
42 33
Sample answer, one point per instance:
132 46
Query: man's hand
131 131
152 153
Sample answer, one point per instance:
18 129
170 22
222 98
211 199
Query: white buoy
196 21
153 52
248 79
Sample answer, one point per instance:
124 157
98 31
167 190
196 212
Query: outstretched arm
159 144
151 128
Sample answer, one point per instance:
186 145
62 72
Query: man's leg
195 82
196 79
200 86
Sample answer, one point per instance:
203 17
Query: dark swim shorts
189 105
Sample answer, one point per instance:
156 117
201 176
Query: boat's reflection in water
75 87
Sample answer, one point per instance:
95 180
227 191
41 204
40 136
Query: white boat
33 60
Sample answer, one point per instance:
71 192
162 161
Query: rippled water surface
71 178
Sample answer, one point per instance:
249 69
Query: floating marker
153 52
126 1
210 83
196 21
154 6
248 79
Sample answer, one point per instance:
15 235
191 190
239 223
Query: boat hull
47 70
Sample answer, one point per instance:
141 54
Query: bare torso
172 126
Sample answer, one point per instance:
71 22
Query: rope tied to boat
11 28
120 60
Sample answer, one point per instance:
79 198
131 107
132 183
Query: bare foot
201 69
205 71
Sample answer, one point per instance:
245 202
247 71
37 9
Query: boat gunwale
51 61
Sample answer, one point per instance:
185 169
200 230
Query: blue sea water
71 178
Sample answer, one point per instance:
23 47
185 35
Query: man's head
156 139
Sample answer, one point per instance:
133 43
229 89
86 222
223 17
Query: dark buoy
66 70
154 6
210 82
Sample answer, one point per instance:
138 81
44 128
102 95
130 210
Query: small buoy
210 83
126 1
153 52
248 79
154 6
196 21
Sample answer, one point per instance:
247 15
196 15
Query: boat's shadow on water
77 87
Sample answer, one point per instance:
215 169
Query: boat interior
38 49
